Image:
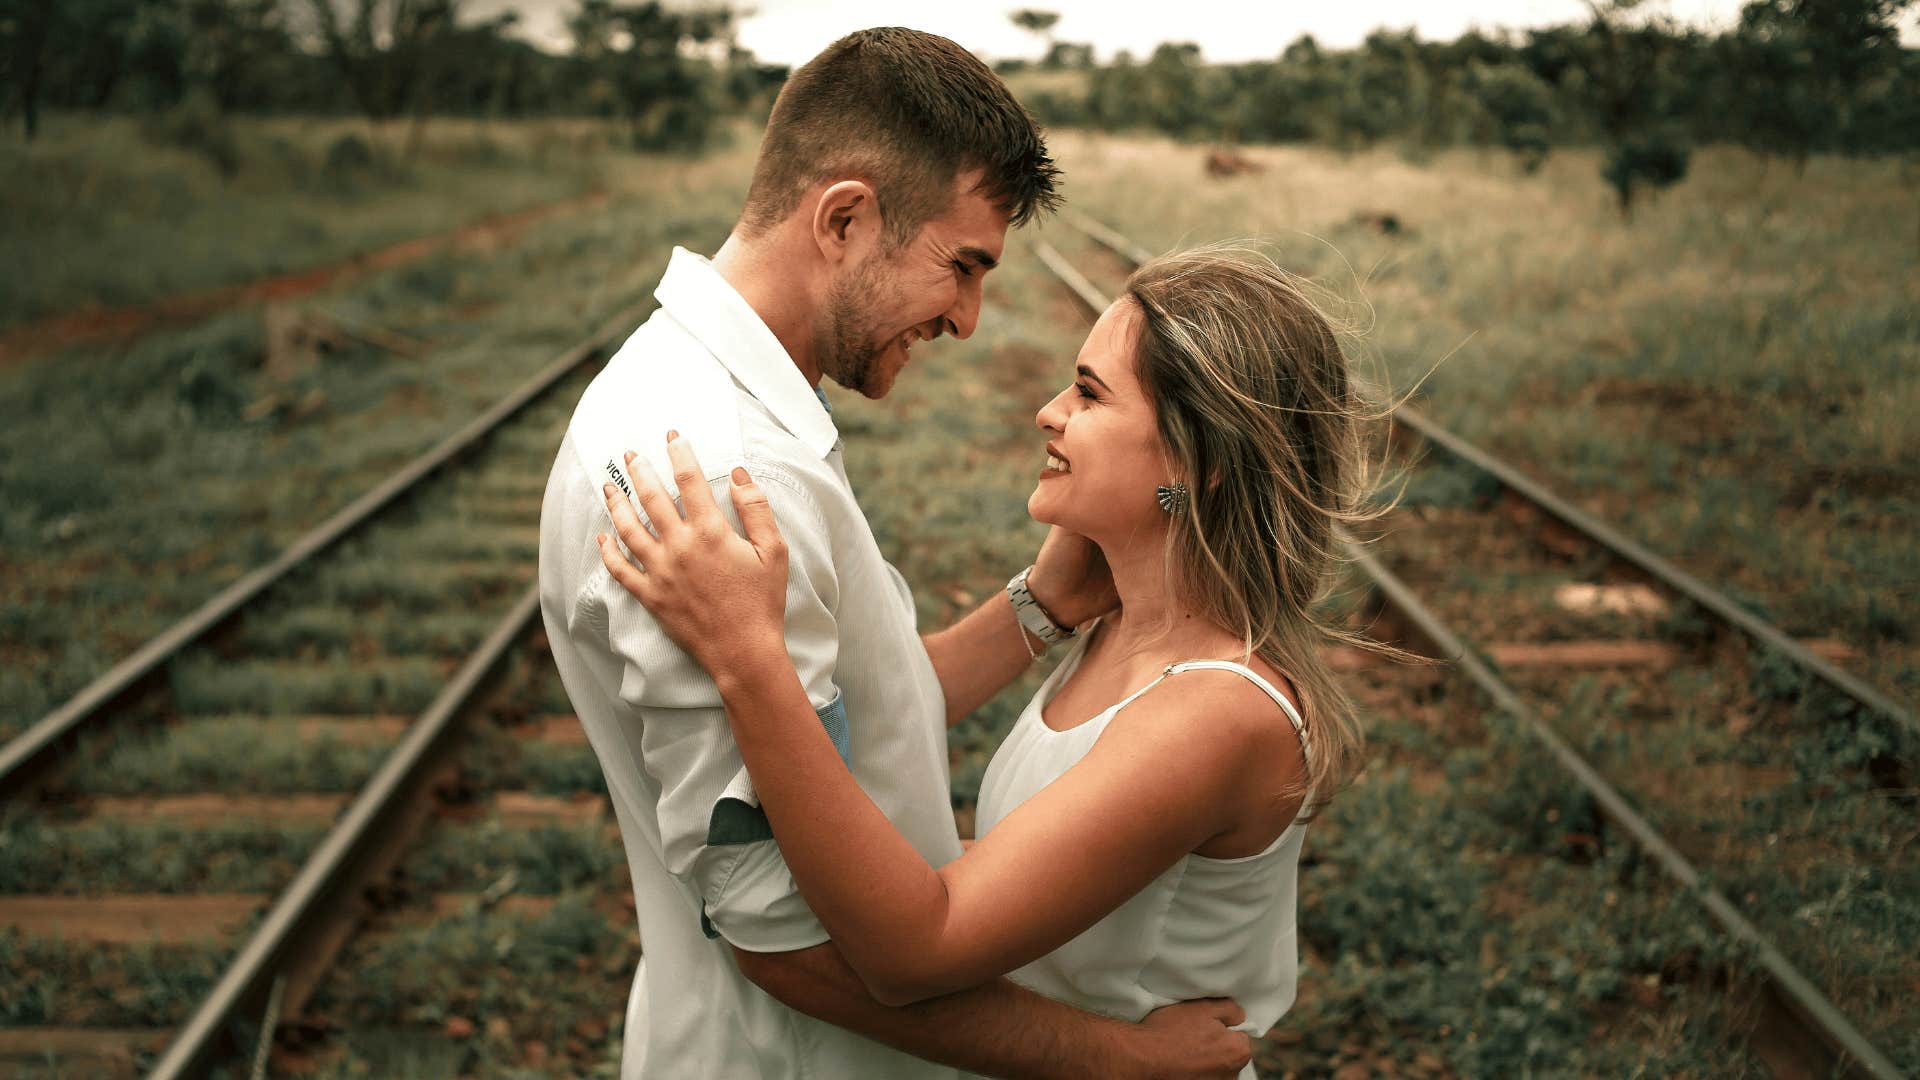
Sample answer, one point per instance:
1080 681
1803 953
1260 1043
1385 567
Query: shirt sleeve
714 836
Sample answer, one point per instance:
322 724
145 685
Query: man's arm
1003 1030
979 655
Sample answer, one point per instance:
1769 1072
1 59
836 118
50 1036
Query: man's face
878 309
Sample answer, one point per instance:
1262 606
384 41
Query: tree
1398 82
384 50
1632 81
1039 23
228 45
24 29
636 60
1816 60
1519 110
1068 54
1170 91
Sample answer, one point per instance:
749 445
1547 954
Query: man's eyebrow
979 255
1088 372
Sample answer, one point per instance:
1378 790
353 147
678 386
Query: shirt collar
715 313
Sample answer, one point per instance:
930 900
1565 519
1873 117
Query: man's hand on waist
1189 1040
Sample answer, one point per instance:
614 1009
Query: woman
1141 825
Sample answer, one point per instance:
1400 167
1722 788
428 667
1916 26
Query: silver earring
1172 499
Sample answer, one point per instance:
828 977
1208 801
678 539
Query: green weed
543 861
237 754
559 979
51 981
141 857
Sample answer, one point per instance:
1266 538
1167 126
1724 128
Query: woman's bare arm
1158 784
978 656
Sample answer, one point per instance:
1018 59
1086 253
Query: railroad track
350 858
1707 739
194 838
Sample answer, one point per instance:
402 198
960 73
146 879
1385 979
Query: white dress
1204 928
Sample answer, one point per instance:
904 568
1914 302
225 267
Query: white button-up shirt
706 871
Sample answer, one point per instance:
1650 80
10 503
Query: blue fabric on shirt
735 822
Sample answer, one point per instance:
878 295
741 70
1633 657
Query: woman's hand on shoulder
715 592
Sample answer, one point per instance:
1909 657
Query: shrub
349 158
198 125
1654 159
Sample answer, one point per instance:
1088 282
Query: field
118 211
181 423
1733 376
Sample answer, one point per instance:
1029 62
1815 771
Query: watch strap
1031 614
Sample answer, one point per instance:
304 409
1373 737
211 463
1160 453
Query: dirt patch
97 324
1706 413
1862 480
131 919
1665 395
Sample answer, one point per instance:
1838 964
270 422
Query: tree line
668 72
1790 79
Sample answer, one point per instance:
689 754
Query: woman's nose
1052 417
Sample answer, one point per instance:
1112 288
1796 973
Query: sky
792 31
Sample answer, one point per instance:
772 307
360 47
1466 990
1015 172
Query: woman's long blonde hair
1263 420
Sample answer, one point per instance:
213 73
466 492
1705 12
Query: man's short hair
905 111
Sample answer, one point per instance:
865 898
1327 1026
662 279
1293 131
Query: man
892 166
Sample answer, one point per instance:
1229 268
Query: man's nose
964 315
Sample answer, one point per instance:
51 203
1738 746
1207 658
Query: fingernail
740 476
600 539
629 457
672 435
607 490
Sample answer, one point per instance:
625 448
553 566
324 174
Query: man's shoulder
663 379
660 380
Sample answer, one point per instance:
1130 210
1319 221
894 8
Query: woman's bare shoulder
1219 716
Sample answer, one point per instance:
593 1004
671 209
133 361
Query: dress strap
1293 714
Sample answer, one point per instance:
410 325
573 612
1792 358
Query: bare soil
100 324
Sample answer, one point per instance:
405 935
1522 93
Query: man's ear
846 220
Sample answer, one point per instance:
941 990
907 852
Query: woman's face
1102 431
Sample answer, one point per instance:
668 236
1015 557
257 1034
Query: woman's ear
846 220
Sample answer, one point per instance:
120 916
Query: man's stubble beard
845 345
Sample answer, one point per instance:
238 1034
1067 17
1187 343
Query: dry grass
1734 375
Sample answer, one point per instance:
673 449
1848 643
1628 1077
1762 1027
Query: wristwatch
1031 614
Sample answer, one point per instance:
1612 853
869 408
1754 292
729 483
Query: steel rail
302 904
1656 566
1814 1008
20 757
1674 577
1107 237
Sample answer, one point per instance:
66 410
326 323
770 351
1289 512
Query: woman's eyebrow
1088 372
